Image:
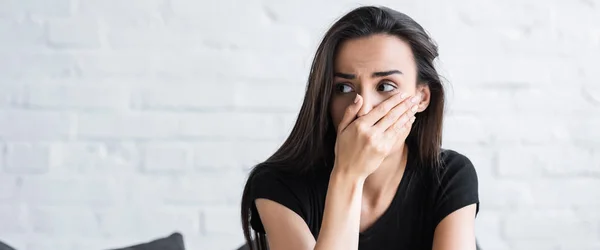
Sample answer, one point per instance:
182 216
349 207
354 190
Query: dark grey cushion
172 242
5 247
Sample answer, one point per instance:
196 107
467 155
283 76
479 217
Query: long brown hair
312 139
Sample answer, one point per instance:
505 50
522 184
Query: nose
369 102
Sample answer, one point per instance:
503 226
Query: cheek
336 110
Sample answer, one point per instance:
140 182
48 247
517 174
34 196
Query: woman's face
376 67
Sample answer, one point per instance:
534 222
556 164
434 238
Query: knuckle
406 104
371 138
361 128
382 109
381 148
363 132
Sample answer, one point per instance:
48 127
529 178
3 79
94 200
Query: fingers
382 109
400 126
400 113
350 113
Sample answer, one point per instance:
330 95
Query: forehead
374 53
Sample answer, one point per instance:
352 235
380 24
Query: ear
425 92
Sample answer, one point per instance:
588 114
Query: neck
386 178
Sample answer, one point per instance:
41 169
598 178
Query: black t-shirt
423 198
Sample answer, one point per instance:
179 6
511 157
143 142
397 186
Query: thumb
350 113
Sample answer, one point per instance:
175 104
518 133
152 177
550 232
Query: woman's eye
343 88
389 88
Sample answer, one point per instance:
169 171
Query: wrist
343 174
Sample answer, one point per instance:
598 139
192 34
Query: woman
363 166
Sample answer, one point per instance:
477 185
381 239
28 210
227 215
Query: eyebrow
375 74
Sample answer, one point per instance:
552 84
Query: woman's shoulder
270 177
454 163
455 185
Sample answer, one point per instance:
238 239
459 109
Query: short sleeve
278 188
458 186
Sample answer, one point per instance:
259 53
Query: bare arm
341 219
456 231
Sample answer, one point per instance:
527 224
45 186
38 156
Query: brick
144 35
322 14
585 130
75 97
465 129
248 64
507 195
269 96
64 221
261 37
250 153
144 222
127 65
9 95
518 98
488 229
195 12
132 126
98 158
529 129
520 162
117 12
572 161
14 219
36 66
215 155
583 245
192 64
534 244
74 190
229 125
530 29
517 69
27 158
16 241
8 187
287 120
26 35
25 125
74 33
41 242
469 99
551 101
591 93
36 8
224 242
549 224
188 190
183 97
565 193
166 158
485 160
221 220
2 156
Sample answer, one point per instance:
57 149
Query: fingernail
414 108
412 119
356 99
402 95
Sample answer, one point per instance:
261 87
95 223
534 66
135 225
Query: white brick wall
123 121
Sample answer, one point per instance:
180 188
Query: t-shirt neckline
393 205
